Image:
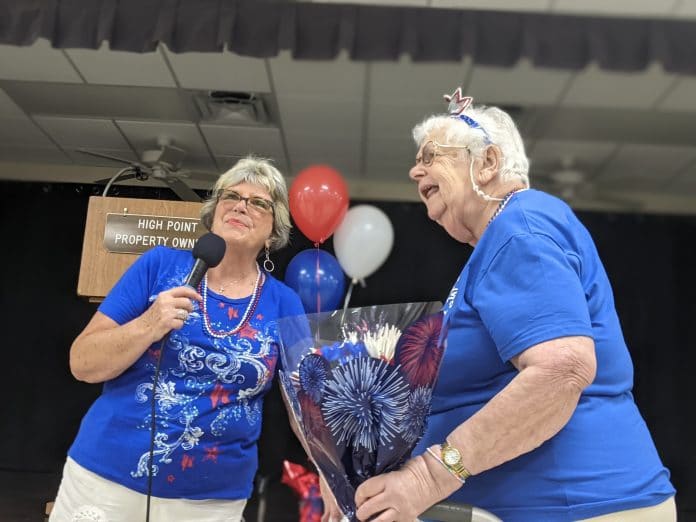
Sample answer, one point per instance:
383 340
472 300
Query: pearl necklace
253 301
502 204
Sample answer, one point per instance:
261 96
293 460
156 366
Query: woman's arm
106 349
531 409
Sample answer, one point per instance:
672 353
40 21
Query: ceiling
632 136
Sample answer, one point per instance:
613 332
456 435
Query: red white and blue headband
457 105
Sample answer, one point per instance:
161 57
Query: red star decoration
221 305
171 478
153 353
232 313
211 454
259 317
186 462
457 102
248 331
219 395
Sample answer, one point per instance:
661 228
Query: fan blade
198 175
121 178
112 158
181 189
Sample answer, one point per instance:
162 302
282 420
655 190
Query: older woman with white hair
204 419
533 417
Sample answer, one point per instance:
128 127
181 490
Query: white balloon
363 241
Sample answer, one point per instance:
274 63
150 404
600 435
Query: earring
268 265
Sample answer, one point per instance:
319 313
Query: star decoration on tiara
457 102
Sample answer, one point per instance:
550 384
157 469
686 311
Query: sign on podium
118 230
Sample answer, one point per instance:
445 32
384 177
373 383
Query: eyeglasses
430 150
254 203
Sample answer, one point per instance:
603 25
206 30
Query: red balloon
318 201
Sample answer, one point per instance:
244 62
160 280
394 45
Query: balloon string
347 299
317 280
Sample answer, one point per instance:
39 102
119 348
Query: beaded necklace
255 295
502 204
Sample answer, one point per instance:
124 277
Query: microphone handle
197 273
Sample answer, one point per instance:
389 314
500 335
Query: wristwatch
452 459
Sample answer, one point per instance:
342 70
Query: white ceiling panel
681 97
75 133
8 108
684 183
522 84
406 82
240 141
23 132
645 167
506 5
105 67
224 71
46 155
549 155
422 3
685 9
38 62
628 8
597 88
307 80
144 135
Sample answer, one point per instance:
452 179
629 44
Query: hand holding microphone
172 307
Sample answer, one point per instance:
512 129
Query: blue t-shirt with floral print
209 393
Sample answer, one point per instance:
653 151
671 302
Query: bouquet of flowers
358 383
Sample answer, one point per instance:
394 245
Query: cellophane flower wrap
359 383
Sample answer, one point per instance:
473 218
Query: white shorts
86 496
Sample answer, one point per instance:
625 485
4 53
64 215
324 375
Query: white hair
499 128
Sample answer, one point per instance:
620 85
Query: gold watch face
451 456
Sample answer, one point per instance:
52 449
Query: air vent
233 108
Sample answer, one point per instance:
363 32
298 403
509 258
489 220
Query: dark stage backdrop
650 260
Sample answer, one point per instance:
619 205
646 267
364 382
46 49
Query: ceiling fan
163 164
570 182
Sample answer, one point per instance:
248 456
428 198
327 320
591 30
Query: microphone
208 252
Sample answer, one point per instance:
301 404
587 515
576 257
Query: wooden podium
106 256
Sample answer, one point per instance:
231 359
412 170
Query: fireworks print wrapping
359 385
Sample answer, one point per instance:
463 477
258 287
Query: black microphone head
210 248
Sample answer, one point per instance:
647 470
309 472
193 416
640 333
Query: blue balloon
317 278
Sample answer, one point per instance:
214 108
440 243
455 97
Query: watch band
452 459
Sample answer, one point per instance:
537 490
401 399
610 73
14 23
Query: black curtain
262 28
650 260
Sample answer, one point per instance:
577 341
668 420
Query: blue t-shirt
534 276
209 394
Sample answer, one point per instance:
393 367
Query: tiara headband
457 105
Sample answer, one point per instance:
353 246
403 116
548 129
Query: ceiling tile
596 88
627 8
685 9
406 82
106 67
645 167
34 155
681 97
506 5
8 108
379 2
240 141
548 156
38 62
521 84
224 71
322 80
144 135
83 133
23 132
